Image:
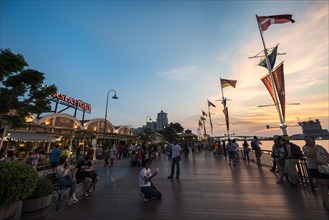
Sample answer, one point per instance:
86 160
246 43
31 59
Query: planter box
36 208
8 212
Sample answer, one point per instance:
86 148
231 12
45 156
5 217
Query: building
162 121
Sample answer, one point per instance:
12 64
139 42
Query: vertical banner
225 111
278 77
280 87
209 113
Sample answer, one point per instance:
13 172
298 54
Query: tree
170 132
22 92
147 135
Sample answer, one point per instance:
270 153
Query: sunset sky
169 56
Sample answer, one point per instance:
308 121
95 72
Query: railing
267 160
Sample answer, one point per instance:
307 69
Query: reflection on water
267 145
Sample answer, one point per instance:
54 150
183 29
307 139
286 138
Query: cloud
180 73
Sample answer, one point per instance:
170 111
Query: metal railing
267 160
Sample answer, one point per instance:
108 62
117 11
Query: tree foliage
171 132
22 92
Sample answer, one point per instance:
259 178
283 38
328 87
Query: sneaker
177 177
143 197
169 177
73 200
85 196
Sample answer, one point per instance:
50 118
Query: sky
170 56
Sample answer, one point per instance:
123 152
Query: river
267 145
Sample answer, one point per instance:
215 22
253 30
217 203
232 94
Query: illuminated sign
71 102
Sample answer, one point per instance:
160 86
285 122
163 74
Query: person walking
99 153
113 153
175 158
231 152
106 157
147 187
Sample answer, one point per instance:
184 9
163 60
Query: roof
28 136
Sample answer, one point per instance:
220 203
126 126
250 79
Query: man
258 152
148 189
314 154
175 158
87 175
54 156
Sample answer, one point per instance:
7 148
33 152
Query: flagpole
223 99
277 104
210 123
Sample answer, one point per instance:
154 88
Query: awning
28 136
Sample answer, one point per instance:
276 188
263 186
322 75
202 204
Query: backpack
296 152
254 145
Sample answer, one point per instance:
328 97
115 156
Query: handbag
324 168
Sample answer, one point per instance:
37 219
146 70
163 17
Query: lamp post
107 100
150 119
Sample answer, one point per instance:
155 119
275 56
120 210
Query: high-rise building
162 120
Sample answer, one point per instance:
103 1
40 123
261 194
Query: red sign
72 102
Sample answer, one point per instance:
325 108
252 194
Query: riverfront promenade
208 188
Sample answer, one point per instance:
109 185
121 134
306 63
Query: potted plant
18 180
36 205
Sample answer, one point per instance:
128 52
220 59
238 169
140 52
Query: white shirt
144 173
175 150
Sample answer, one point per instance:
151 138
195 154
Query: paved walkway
207 189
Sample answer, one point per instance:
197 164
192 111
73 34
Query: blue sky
169 55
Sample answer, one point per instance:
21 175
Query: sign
71 102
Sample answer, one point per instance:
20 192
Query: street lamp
150 119
107 100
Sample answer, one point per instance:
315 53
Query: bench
59 196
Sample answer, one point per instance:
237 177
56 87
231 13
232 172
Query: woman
66 177
246 150
317 155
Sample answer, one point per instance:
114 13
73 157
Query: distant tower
162 120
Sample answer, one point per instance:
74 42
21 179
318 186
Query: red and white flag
266 21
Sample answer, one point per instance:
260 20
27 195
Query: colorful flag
211 104
225 111
266 21
271 58
227 82
204 114
278 77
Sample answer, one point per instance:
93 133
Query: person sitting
147 187
87 175
66 176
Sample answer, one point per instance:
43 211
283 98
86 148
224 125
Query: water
267 145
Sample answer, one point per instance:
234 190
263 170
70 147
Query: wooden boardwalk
208 188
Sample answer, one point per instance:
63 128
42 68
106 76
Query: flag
211 126
200 123
204 114
278 77
227 82
211 104
202 118
225 111
271 58
266 21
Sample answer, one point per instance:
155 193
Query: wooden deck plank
207 189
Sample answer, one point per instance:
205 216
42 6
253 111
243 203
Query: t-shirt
54 155
175 150
144 172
